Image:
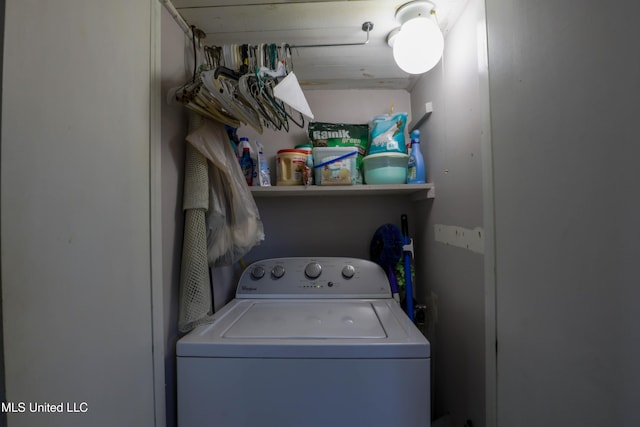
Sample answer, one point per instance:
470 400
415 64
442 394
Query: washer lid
308 320
286 328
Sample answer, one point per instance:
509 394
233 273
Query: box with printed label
335 165
342 135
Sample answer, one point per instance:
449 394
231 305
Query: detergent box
342 135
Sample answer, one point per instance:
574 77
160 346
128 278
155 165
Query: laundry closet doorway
456 139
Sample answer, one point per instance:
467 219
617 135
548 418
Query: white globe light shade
418 46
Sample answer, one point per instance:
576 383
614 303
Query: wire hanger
235 84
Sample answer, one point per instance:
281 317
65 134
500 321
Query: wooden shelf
414 191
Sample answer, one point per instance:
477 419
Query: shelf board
414 191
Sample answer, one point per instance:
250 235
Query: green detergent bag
342 135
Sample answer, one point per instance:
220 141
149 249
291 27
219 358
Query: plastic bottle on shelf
415 168
245 158
242 144
246 164
264 173
256 166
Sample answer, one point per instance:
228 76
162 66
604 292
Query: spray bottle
264 173
246 160
415 169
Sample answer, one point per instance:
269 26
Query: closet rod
366 26
177 17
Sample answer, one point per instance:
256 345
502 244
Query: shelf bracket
428 109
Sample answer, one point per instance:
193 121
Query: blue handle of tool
409 285
407 268
392 280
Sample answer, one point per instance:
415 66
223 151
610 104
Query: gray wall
564 104
452 146
306 226
174 130
3 397
76 213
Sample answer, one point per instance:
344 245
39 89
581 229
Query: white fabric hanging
222 222
233 220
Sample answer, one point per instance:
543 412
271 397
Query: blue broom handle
392 280
407 267
409 285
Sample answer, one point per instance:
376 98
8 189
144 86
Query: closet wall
564 109
175 57
455 143
76 210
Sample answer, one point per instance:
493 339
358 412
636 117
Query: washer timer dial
348 271
277 271
313 270
257 272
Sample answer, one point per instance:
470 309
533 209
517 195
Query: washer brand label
248 288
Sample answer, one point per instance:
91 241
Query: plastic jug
290 164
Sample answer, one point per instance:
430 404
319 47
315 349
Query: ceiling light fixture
418 42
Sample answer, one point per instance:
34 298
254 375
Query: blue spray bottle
246 160
415 169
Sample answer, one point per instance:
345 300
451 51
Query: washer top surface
308 320
309 308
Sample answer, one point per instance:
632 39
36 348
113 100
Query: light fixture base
391 37
414 9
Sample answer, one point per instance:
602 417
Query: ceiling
369 66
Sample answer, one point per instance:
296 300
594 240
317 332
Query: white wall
332 106
321 226
75 169
452 144
564 106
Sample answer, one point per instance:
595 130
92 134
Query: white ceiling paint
367 66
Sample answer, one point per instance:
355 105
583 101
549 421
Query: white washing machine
307 342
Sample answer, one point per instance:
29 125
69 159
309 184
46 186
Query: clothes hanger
194 98
247 87
223 88
226 83
265 96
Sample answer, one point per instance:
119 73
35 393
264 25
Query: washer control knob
313 270
277 271
348 271
257 272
